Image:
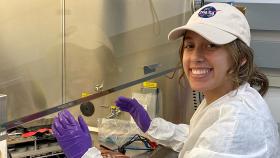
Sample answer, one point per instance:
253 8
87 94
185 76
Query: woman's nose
197 55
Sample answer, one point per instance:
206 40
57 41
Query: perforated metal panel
197 98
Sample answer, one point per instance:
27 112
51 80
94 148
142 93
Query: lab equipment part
87 108
33 141
42 143
150 68
22 120
99 87
149 145
3 118
114 112
149 98
73 136
196 4
136 110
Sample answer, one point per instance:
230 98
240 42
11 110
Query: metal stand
3 119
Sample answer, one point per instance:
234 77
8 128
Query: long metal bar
17 122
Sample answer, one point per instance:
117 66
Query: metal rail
22 120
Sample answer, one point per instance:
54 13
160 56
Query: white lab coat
237 125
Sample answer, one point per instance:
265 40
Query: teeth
200 71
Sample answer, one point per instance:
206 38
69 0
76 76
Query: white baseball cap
219 23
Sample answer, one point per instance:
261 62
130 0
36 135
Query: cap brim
212 34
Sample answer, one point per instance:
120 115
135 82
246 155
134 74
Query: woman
233 120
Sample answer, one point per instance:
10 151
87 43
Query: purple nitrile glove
72 136
136 110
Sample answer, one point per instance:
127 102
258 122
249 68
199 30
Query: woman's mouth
200 72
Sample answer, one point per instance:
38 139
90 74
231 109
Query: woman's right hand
72 136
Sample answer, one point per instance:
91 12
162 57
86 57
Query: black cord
9 154
135 138
202 3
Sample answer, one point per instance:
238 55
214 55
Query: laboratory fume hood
61 54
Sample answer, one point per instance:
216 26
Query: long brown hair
243 67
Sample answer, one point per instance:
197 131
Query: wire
9 154
135 148
156 24
148 144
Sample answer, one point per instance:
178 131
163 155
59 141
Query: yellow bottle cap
150 84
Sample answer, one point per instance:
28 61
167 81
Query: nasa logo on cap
207 12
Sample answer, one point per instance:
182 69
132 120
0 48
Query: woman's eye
211 45
188 46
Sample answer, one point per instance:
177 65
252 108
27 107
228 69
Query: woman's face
206 66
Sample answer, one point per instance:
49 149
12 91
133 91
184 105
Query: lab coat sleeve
235 135
92 153
168 134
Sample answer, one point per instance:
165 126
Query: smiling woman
233 120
